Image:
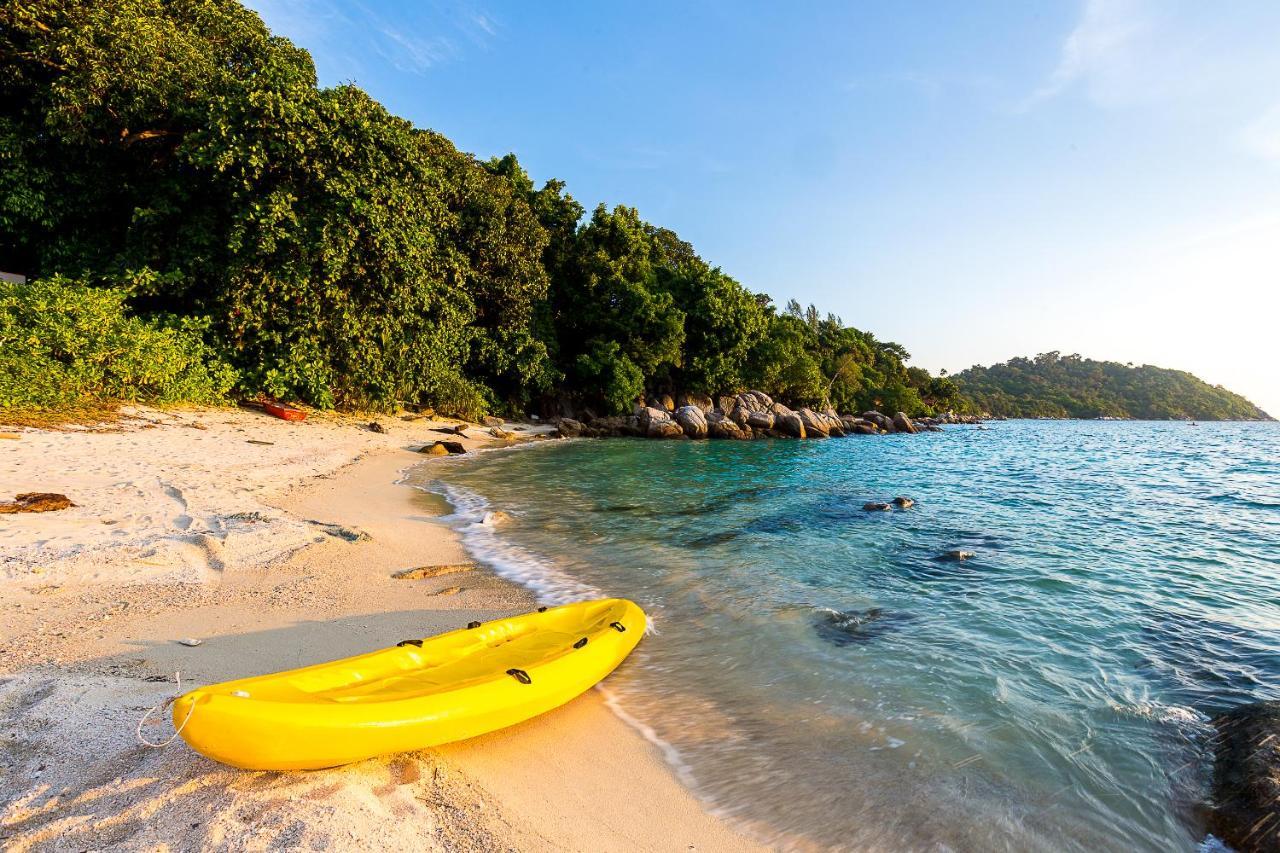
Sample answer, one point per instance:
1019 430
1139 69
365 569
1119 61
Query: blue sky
975 181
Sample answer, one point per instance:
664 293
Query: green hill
1068 386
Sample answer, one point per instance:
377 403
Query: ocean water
822 675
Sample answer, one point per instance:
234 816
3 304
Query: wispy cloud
342 36
1098 52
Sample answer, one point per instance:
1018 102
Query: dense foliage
61 341
177 155
1068 386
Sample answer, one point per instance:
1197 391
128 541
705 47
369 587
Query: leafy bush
64 345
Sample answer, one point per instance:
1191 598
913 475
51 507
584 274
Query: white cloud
1097 53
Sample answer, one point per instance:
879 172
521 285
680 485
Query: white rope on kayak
168 702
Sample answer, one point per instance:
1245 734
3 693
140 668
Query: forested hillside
1058 386
171 171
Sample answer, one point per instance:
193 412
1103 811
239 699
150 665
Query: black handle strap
473 624
580 643
417 643
618 626
542 609
520 675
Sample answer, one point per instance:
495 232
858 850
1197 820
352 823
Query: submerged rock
849 627
958 555
875 506
1246 778
903 503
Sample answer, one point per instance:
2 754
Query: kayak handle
580 643
618 626
417 643
520 675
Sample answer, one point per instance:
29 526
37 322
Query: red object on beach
284 411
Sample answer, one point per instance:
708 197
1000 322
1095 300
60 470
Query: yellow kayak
417 694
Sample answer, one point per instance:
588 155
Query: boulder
726 403
755 401
614 425
570 428
649 415
664 401
787 421
902 423
875 507
759 420
815 426
699 401
959 555
903 503
882 422
692 420
1246 777
718 426
665 429
446 446
374 426
502 434
491 421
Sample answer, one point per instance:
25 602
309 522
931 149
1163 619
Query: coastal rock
858 426
882 422
835 426
570 428
875 506
902 423
692 420
726 403
491 421
760 420
1246 777
37 502
699 401
497 432
494 518
446 446
815 426
665 429
615 425
755 401
664 401
718 426
903 503
959 555
374 426
786 421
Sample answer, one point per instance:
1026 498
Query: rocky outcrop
902 423
882 422
699 401
1246 777
858 426
719 426
692 420
760 420
815 426
570 428
786 421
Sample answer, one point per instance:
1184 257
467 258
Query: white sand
275 556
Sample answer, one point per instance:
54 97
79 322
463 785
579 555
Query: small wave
508 560
1160 713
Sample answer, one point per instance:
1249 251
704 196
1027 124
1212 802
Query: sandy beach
274 544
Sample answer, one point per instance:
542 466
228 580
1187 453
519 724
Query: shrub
66 345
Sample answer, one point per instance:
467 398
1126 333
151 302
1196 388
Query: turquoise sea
822 674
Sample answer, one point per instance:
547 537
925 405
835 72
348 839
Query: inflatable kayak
417 694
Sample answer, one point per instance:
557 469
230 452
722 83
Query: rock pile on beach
751 414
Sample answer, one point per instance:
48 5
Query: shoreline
87 656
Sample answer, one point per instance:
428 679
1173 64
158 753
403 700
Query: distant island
1052 385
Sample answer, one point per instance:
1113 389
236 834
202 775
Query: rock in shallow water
1246 778
875 506
957 554
855 627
